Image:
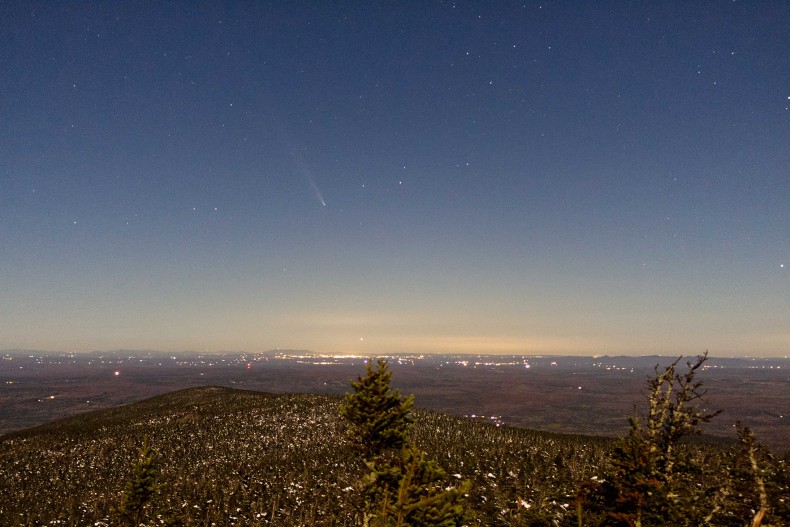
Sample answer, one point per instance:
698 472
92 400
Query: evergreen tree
402 487
755 494
379 417
140 488
647 486
411 492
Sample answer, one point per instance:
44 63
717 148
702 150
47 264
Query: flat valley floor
583 396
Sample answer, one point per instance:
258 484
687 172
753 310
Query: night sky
385 177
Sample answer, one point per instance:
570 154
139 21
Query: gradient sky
380 177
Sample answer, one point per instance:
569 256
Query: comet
316 190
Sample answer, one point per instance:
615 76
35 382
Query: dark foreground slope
232 457
243 458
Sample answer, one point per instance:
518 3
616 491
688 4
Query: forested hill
235 457
231 458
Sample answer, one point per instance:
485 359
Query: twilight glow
540 177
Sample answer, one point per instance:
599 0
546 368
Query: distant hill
234 457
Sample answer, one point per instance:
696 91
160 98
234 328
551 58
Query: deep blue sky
378 177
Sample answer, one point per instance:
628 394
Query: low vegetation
655 478
223 457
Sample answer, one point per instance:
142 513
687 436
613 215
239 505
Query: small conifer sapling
141 487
